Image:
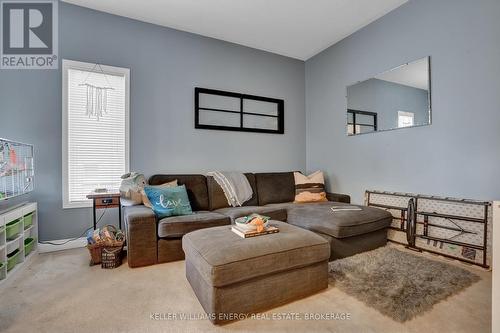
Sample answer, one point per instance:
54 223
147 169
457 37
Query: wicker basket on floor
111 257
96 250
110 238
95 253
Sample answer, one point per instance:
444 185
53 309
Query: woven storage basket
95 253
95 250
107 242
111 257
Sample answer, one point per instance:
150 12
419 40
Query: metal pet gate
454 228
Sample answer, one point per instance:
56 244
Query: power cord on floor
83 234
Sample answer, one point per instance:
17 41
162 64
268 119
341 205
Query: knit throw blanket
235 185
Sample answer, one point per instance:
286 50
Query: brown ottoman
233 276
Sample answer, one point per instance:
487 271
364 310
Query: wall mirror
397 98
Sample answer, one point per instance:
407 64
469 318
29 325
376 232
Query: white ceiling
294 28
415 74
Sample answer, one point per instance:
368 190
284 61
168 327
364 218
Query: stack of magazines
271 229
253 225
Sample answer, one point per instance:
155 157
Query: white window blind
95 149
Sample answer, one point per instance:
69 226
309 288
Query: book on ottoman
253 233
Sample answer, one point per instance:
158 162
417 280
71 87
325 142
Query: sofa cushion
275 187
223 258
218 198
275 213
319 217
178 226
169 201
196 186
284 205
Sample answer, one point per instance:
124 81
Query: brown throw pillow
309 188
145 200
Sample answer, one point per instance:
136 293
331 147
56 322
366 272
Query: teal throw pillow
169 201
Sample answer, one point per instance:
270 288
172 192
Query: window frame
406 114
84 66
357 125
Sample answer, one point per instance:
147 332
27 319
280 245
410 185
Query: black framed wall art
230 111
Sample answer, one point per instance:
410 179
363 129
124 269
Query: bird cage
16 169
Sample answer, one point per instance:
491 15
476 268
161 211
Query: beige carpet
59 292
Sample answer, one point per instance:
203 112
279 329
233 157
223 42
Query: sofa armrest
140 227
338 197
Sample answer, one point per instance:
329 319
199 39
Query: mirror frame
429 98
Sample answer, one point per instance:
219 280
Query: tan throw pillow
145 200
310 188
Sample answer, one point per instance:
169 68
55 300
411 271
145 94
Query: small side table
106 200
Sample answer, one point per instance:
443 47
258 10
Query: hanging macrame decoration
97 97
97 100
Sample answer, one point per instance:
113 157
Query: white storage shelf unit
25 231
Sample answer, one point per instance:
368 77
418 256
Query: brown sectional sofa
150 241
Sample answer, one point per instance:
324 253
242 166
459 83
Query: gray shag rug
398 284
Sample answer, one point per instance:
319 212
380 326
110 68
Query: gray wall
165 66
386 99
458 154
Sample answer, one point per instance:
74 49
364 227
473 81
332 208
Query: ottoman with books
234 276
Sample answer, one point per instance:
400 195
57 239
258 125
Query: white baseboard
74 244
